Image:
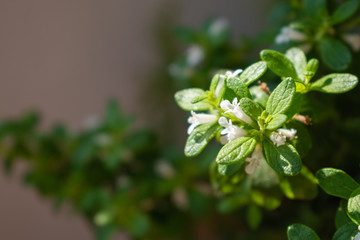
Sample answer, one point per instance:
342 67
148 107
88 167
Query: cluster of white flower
197 119
231 132
235 109
288 34
279 136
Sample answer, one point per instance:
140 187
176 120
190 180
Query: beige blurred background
66 59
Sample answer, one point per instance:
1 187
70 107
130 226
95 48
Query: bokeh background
66 58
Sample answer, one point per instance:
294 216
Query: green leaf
236 151
138 225
281 98
276 121
283 159
269 200
301 232
278 63
341 217
334 54
105 232
229 169
303 142
336 182
314 8
187 99
253 72
199 138
250 108
237 200
214 83
254 216
295 105
346 232
239 87
302 186
335 83
113 117
298 59
354 206
259 96
228 94
344 11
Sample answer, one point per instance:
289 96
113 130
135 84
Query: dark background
67 58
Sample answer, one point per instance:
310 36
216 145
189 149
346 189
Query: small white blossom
357 236
289 133
278 139
254 161
223 77
194 55
353 39
231 131
230 74
279 136
197 119
288 34
218 26
235 109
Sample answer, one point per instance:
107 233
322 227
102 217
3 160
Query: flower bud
311 67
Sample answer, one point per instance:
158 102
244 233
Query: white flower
254 160
194 55
230 74
223 77
235 109
353 39
279 137
357 236
289 133
197 119
288 34
218 26
231 131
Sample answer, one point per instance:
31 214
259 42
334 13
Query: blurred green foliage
120 178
